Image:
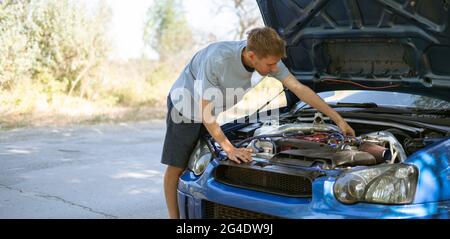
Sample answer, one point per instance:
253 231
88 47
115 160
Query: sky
128 20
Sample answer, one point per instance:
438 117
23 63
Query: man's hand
239 155
308 96
345 128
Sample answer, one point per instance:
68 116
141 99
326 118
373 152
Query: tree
17 53
166 29
246 12
55 43
71 41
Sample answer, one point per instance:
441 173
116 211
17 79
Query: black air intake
218 211
279 183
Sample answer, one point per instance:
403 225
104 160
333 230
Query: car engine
319 144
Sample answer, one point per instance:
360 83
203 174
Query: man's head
264 49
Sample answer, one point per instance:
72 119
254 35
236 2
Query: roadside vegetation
55 67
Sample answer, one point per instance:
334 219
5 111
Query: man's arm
234 154
308 96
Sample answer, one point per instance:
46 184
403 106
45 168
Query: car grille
218 211
265 181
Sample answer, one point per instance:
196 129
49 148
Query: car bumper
195 192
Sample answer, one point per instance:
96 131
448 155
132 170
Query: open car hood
390 45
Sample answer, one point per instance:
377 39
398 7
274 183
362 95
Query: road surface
98 171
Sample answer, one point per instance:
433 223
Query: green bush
51 40
17 52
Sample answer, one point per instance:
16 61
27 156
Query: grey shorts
180 139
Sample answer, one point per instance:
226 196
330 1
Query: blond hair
265 41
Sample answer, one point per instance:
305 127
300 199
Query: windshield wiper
398 110
387 109
341 104
430 111
356 105
371 107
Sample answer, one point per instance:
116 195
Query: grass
126 92
64 110
113 115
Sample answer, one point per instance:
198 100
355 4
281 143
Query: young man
211 73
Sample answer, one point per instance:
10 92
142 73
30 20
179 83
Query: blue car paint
432 198
434 172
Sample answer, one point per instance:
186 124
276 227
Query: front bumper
195 192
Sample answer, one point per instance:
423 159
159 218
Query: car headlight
386 184
200 158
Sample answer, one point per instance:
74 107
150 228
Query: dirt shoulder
113 115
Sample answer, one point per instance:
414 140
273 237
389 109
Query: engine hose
238 145
260 149
341 136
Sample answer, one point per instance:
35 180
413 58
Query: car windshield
383 98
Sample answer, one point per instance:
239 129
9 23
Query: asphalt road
100 171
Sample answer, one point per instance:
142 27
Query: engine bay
315 143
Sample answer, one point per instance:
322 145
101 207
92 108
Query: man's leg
171 177
179 142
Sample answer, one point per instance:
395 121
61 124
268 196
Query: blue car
384 65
